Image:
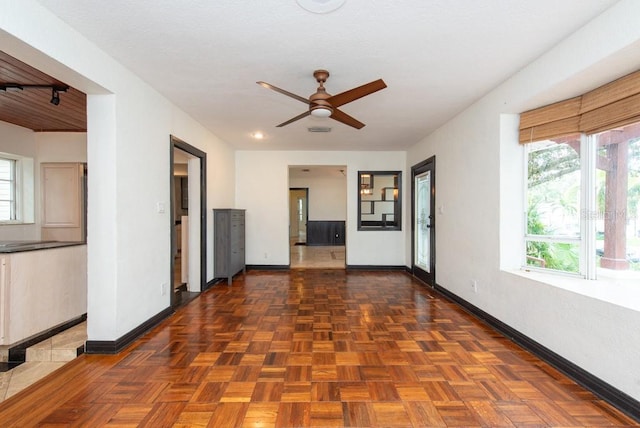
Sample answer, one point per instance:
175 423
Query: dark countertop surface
21 246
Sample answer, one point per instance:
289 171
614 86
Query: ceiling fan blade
355 93
343 117
298 117
283 92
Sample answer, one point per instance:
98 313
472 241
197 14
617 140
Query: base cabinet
228 237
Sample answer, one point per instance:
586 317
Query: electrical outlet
474 285
266 255
163 289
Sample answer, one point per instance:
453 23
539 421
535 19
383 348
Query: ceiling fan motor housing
318 100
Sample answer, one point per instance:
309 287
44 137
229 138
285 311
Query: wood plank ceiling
31 107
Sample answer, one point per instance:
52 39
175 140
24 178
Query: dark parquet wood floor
313 348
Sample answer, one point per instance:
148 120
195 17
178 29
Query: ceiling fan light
321 112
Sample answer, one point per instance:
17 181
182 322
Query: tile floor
43 359
317 257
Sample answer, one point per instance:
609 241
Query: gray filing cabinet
228 248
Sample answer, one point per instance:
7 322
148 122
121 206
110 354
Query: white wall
267 216
479 173
128 151
17 140
327 196
61 146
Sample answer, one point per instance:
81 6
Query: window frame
24 192
13 190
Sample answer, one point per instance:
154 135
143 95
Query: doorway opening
317 216
188 221
423 236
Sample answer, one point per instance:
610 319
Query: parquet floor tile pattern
319 348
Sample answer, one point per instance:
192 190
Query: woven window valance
609 106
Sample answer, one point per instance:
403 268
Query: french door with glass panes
423 221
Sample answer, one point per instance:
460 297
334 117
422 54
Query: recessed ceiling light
258 135
320 6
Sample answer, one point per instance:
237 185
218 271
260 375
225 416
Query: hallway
321 347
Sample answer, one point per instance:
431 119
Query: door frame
419 168
176 143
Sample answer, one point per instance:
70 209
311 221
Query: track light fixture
55 97
55 89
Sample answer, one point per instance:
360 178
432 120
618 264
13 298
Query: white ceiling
436 56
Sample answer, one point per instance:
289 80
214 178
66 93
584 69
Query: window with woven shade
583 181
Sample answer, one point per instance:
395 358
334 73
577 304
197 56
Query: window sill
621 288
15 223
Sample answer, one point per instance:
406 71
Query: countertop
21 246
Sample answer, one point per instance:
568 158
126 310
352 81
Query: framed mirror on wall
379 200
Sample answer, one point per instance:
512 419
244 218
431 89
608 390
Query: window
7 189
553 204
583 202
17 192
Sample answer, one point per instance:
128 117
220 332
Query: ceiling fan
322 104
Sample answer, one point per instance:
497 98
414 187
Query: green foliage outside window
556 255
